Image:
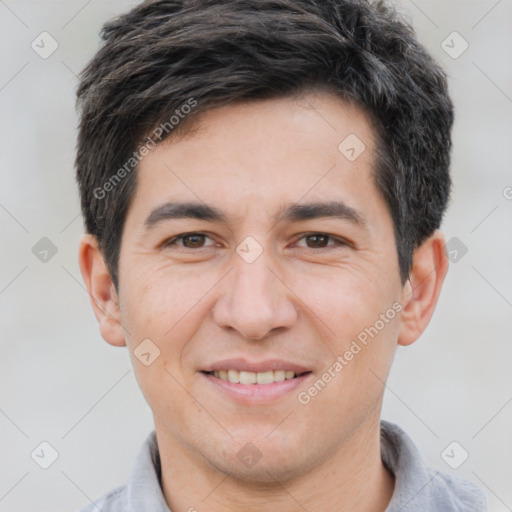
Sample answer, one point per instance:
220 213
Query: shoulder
456 494
142 492
418 487
114 501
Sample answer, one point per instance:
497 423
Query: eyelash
337 241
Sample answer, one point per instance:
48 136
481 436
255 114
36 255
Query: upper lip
242 365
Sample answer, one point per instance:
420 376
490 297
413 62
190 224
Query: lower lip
257 393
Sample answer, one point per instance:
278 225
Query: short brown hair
162 54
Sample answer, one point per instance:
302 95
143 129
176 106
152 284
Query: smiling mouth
243 377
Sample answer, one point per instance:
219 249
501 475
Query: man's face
272 283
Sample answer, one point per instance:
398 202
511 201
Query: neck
353 478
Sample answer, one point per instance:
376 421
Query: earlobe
422 290
102 293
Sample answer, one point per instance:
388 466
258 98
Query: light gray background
61 383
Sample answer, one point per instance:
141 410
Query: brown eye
319 241
193 241
189 241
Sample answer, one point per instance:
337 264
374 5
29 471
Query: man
262 183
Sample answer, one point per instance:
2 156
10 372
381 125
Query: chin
265 472
264 462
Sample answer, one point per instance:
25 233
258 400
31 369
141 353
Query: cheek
161 301
166 307
357 323
345 303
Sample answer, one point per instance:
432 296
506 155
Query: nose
253 300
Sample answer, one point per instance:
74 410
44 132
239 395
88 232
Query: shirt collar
145 489
418 487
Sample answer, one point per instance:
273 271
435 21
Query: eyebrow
289 213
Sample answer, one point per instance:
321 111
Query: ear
102 293
421 292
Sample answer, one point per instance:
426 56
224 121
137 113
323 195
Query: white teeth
233 376
280 375
265 377
254 378
247 378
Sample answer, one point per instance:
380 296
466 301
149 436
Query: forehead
253 158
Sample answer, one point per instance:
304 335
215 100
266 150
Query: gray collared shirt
417 488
